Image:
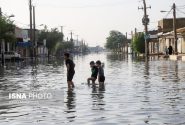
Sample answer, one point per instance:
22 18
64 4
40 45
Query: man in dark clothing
70 70
101 76
94 74
170 50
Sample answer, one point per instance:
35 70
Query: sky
92 20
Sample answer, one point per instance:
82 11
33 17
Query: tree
138 43
115 41
7 29
52 37
64 46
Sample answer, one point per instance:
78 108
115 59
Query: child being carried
94 73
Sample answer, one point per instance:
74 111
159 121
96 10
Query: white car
11 55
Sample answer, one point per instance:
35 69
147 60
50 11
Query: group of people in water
97 71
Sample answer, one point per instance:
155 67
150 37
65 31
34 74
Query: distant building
96 49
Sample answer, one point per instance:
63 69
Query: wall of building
167 24
181 45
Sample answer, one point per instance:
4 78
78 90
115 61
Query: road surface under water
135 93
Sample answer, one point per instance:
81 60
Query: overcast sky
91 19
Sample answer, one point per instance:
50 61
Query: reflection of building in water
70 105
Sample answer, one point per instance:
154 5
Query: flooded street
135 93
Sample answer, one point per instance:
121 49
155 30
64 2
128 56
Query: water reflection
98 102
116 57
1 72
71 105
135 92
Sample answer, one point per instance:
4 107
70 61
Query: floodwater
135 93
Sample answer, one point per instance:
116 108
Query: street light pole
2 46
34 34
174 27
31 32
2 55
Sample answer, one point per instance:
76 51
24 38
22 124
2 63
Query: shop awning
24 44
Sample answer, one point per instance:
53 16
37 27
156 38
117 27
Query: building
153 42
181 40
166 25
166 34
23 42
95 49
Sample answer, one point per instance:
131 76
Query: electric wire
180 11
169 12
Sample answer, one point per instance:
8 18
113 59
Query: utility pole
145 22
1 42
135 31
174 27
34 33
127 43
62 27
0 12
77 39
71 33
2 46
31 32
132 37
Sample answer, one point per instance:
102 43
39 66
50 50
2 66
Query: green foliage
54 41
115 40
52 38
138 43
7 29
66 46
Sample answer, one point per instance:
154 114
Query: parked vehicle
10 55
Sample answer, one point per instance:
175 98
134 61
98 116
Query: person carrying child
94 73
101 77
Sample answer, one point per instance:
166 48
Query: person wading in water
70 70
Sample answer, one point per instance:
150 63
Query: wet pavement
135 93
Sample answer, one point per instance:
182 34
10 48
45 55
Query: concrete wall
162 45
163 42
167 24
181 45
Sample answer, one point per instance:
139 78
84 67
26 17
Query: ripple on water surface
135 93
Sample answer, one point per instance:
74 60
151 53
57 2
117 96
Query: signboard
25 35
146 36
153 36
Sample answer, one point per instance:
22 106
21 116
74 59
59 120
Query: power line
84 6
180 11
181 6
168 13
